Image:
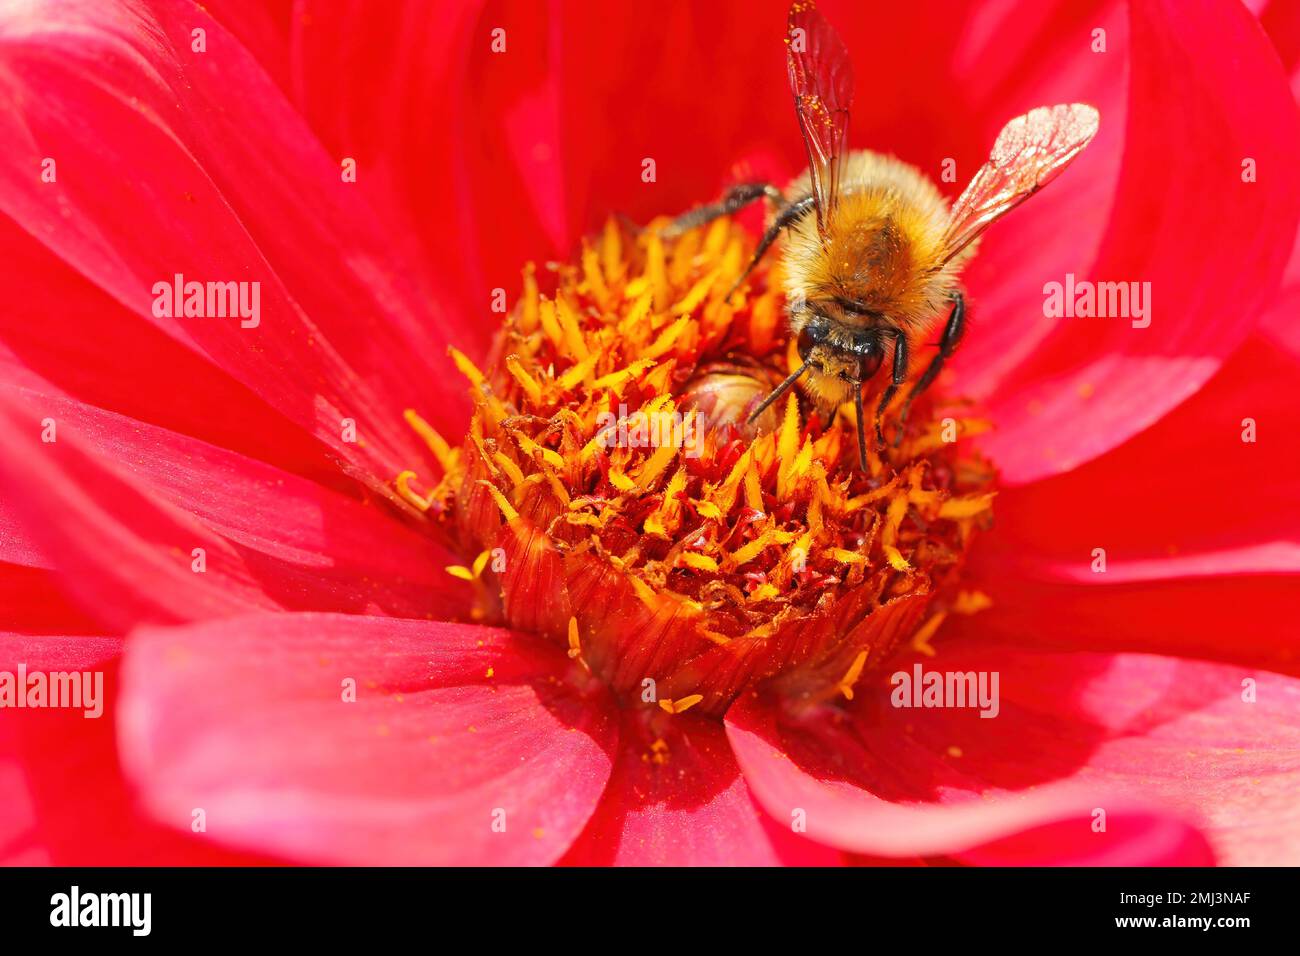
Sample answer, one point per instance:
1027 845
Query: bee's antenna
862 434
777 393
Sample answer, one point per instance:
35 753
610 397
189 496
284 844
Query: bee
872 252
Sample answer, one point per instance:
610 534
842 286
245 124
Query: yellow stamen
530 387
701 562
466 367
620 480
698 291
529 302
614 379
402 481
966 507
655 465
443 452
507 509
889 537
656 271
575 345
921 639
612 251
579 372
753 490
971 602
668 338
592 274
575 645
507 465
532 449
550 324
680 705
634 323
851 676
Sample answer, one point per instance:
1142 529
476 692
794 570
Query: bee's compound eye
808 337
869 363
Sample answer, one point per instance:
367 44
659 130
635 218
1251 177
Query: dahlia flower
367 577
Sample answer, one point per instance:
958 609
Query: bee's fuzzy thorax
885 243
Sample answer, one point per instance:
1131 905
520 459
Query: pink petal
1010 58
1241 619
1207 501
1212 246
1075 732
464 167
676 798
121 507
1198 528
453 728
17 545
1281 20
64 798
217 179
1279 322
1141 838
33 600
156 380
262 27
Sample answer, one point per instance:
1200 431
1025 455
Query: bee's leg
736 198
898 377
862 431
952 333
788 215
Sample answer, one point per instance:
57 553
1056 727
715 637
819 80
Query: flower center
610 495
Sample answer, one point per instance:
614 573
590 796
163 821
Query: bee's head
852 354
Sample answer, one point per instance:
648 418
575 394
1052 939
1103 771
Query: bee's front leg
788 215
952 333
898 378
735 199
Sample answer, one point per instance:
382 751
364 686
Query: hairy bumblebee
872 252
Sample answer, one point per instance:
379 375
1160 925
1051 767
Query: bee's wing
1029 153
821 79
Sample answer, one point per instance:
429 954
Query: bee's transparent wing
1029 153
821 79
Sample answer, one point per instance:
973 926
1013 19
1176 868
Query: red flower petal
1010 59
1281 20
454 728
217 179
262 27
1211 245
1205 494
1141 838
33 601
1074 732
17 545
812 770
64 798
121 506
677 798
1240 619
185 392
1199 553
480 151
